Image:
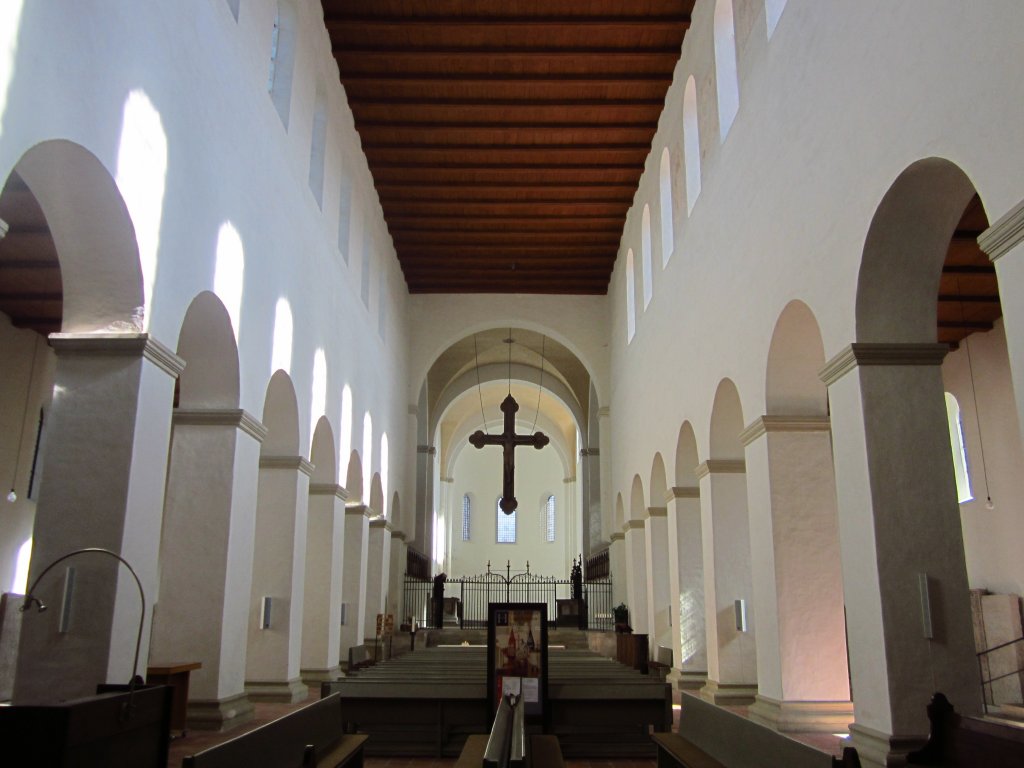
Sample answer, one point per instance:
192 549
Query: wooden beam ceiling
506 140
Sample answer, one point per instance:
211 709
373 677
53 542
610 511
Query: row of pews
429 702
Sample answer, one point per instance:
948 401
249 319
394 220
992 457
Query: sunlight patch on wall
384 469
281 356
20 584
10 26
345 449
367 454
229 273
142 179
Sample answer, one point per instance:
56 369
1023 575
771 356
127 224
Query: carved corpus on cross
509 440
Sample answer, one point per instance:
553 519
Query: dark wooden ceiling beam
457 79
497 124
542 256
476 226
584 51
8 297
491 102
969 298
11 264
335 20
968 269
434 165
974 325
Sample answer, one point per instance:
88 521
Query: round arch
322 454
206 343
354 479
659 484
795 355
280 417
687 457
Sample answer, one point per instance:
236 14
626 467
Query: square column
803 684
725 534
659 604
279 573
353 585
103 486
378 571
206 553
686 588
396 579
617 567
902 546
636 575
321 610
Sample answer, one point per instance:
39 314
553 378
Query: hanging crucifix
509 440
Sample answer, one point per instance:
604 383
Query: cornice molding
221 417
859 354
381 522
397 534
657 511
679 492
358 508
765 424
1005 235
118 345
720 467
287 462
328 489
617 536
634 525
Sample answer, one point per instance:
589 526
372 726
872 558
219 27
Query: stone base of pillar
802 716
313 677
219 714
880 750
729 694
687 679
287 692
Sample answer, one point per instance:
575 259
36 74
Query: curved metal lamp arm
30 598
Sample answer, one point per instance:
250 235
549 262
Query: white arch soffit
521 374
460 440
527 325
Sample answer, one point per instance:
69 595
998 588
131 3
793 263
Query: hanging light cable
13 496
989 504
479 389
540 385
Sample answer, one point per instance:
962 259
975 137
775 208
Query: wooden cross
509 440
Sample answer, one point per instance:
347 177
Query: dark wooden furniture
176 677
310 736
674 750
956 740
110 730
631 650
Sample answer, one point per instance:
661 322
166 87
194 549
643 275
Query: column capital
447 479
413 411
858 354
1005 235
118 345
358 508
287 462
679 492
720 467
397 534
221 417
426 449
589 452
636 525
617 536
762 425
604 411
657 512
328 489
381 522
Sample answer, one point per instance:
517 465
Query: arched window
317 147
630 298
549 519
667 233
773 12
367 457
364 276
691 143
466 509
506 525
20 584
956 441
645 254
344 215
282 59
725 67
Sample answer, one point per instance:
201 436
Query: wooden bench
519 751
310 736
674 750
957 740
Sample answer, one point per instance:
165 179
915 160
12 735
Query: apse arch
322 454
94 236
795 355
280 417
206 342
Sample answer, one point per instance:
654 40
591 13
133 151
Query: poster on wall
517 655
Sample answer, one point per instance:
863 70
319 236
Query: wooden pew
968 741
310 736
